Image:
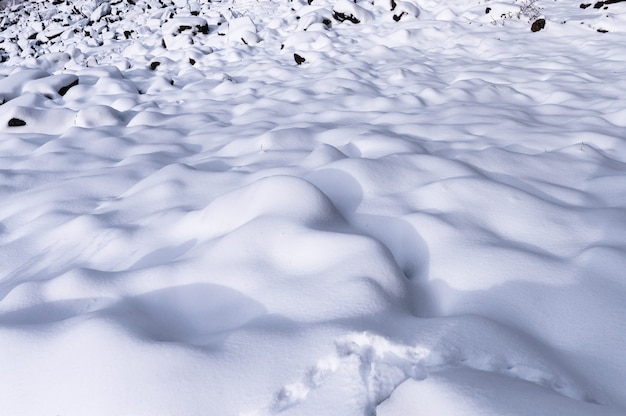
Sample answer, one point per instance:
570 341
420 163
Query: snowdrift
312 207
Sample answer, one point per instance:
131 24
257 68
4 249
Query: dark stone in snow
341 17
487 10
63 90
154 65
299 59
584 5
54 35
16 122
600 4
538 25
397 17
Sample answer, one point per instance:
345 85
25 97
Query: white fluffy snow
312 208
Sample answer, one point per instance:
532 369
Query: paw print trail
366 368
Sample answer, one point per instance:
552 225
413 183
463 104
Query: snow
425 214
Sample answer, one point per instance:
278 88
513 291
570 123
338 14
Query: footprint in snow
366 369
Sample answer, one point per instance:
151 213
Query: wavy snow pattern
428 211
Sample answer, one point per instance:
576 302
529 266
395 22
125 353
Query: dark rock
393 5
603 31
397 17
192 61
154 65
601 4
538 25
584 5
487 10
299 59
63 90
342 17
54 36
204 29
16 122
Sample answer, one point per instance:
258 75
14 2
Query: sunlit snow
322 207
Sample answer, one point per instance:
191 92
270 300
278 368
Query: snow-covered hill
312 207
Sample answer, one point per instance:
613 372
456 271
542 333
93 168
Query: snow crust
424 214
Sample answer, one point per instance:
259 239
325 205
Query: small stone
63 90
538 25
397 17
16 122
299 59
342 17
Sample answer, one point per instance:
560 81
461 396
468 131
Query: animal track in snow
367 368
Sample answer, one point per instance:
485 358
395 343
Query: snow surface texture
271 207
